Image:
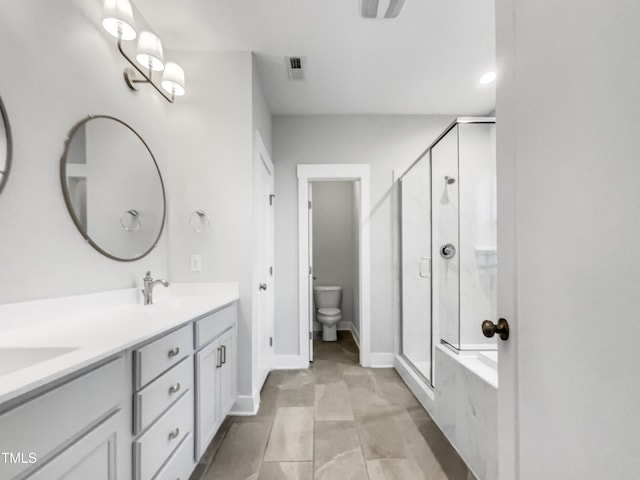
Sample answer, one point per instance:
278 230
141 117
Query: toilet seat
329 312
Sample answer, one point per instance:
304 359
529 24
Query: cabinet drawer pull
174 434
224 354
174 352
174 388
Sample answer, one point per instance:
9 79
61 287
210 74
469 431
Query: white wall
59 65
384 142
334 250
568 170
211 169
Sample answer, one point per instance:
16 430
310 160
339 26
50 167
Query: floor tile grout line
266 444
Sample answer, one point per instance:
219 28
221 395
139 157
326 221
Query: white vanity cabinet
145 409
163 403
215 369
76 430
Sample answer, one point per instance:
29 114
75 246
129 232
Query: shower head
449 180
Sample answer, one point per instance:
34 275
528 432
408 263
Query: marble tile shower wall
335 420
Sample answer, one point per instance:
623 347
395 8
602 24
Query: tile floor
334 421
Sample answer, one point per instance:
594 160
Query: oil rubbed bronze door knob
489 329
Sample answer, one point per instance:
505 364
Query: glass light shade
116 15
150 51
173 79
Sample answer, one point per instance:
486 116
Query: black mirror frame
8 160
67 198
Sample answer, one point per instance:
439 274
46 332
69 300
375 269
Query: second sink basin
13 359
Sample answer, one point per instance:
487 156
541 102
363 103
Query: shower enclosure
448 244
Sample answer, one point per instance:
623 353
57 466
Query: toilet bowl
327 302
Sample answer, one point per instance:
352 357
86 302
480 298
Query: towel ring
130 220
199 221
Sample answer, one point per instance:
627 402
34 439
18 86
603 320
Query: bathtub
464 404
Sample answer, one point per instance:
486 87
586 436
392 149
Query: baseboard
262 377
356 335
289 362
246 405
381 360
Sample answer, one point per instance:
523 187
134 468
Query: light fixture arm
128 77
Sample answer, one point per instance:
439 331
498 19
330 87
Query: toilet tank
329 296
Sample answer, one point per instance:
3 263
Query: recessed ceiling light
488 78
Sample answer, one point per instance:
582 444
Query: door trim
334 172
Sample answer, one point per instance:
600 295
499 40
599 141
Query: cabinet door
93 456
208 363
227 372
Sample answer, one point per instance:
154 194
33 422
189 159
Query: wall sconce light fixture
117 19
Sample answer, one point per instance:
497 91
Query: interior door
568 240
264 201
311 305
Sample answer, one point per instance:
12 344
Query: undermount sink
13 359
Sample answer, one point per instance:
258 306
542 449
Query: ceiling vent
380 8
294 68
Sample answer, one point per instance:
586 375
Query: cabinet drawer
209 327
45 423
156 397
180 465
153 448
157 357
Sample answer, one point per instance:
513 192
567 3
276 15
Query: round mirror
5 146
113 188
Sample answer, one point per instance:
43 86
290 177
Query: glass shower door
416 267
464 234
446 241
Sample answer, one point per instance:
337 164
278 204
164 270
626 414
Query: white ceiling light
380 8
488 78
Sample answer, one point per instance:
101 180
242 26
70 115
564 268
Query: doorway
333 256
307 175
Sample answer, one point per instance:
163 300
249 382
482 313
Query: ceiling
428 60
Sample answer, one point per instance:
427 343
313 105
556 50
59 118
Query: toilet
327 302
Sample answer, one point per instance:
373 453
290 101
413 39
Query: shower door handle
421 270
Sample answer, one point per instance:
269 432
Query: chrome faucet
149 283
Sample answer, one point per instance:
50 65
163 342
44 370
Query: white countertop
96 327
